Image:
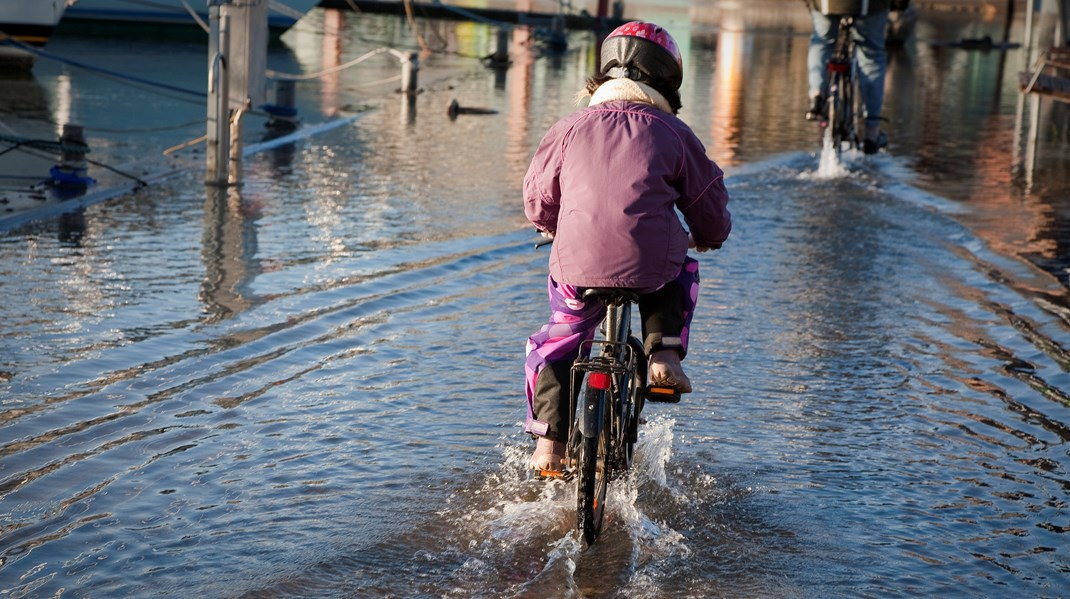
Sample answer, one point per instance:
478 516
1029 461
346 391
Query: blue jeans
868 34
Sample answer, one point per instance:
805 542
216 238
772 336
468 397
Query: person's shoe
817 108
548 460
666 371
871 145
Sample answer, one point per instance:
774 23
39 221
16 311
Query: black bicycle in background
843 100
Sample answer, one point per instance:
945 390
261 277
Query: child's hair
671 94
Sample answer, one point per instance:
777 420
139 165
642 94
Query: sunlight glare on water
311 385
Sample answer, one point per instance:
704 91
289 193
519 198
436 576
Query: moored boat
25 23
282 14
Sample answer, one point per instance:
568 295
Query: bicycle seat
614 296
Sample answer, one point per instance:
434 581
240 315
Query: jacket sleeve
542 183
704 199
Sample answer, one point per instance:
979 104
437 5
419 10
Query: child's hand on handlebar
698 248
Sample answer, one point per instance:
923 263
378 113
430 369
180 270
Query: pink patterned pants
666 316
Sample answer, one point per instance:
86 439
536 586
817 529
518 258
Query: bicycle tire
839 110
850 103
633 402
593 459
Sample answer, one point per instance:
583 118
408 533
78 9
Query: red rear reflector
600 380
838 67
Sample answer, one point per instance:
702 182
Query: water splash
830 166
510 535
654 450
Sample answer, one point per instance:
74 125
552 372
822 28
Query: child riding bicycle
605 184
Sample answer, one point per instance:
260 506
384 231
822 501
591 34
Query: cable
82 65
43 144
149 129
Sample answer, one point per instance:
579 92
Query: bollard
409 68
456 109
282 114
558 39
500 58
72 170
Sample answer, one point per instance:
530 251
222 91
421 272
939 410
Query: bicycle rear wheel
840 108
593 460
632 403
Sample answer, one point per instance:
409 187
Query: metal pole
1064 21
1027 43
1033 140
218 134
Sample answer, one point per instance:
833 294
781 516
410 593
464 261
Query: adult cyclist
870 22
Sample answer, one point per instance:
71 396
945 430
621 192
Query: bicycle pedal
550 475
663 394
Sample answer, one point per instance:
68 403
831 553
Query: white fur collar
632 91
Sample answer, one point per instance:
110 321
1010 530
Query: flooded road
311 386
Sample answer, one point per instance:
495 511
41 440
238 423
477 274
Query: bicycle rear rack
604 361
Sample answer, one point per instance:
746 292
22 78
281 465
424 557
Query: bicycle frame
610 369
611 373
841 91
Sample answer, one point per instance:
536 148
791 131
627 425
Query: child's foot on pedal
548 458
665 370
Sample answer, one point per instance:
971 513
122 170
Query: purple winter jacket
605 181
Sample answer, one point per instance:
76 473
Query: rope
42 144
290 77
43 54
425 50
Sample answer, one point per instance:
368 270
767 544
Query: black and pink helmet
642 51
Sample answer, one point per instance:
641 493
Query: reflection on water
310 385
230 251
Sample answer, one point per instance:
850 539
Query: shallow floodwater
310 386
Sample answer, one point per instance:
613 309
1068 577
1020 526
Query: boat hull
282 14
29 23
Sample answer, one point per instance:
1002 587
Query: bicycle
843 100
610 379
